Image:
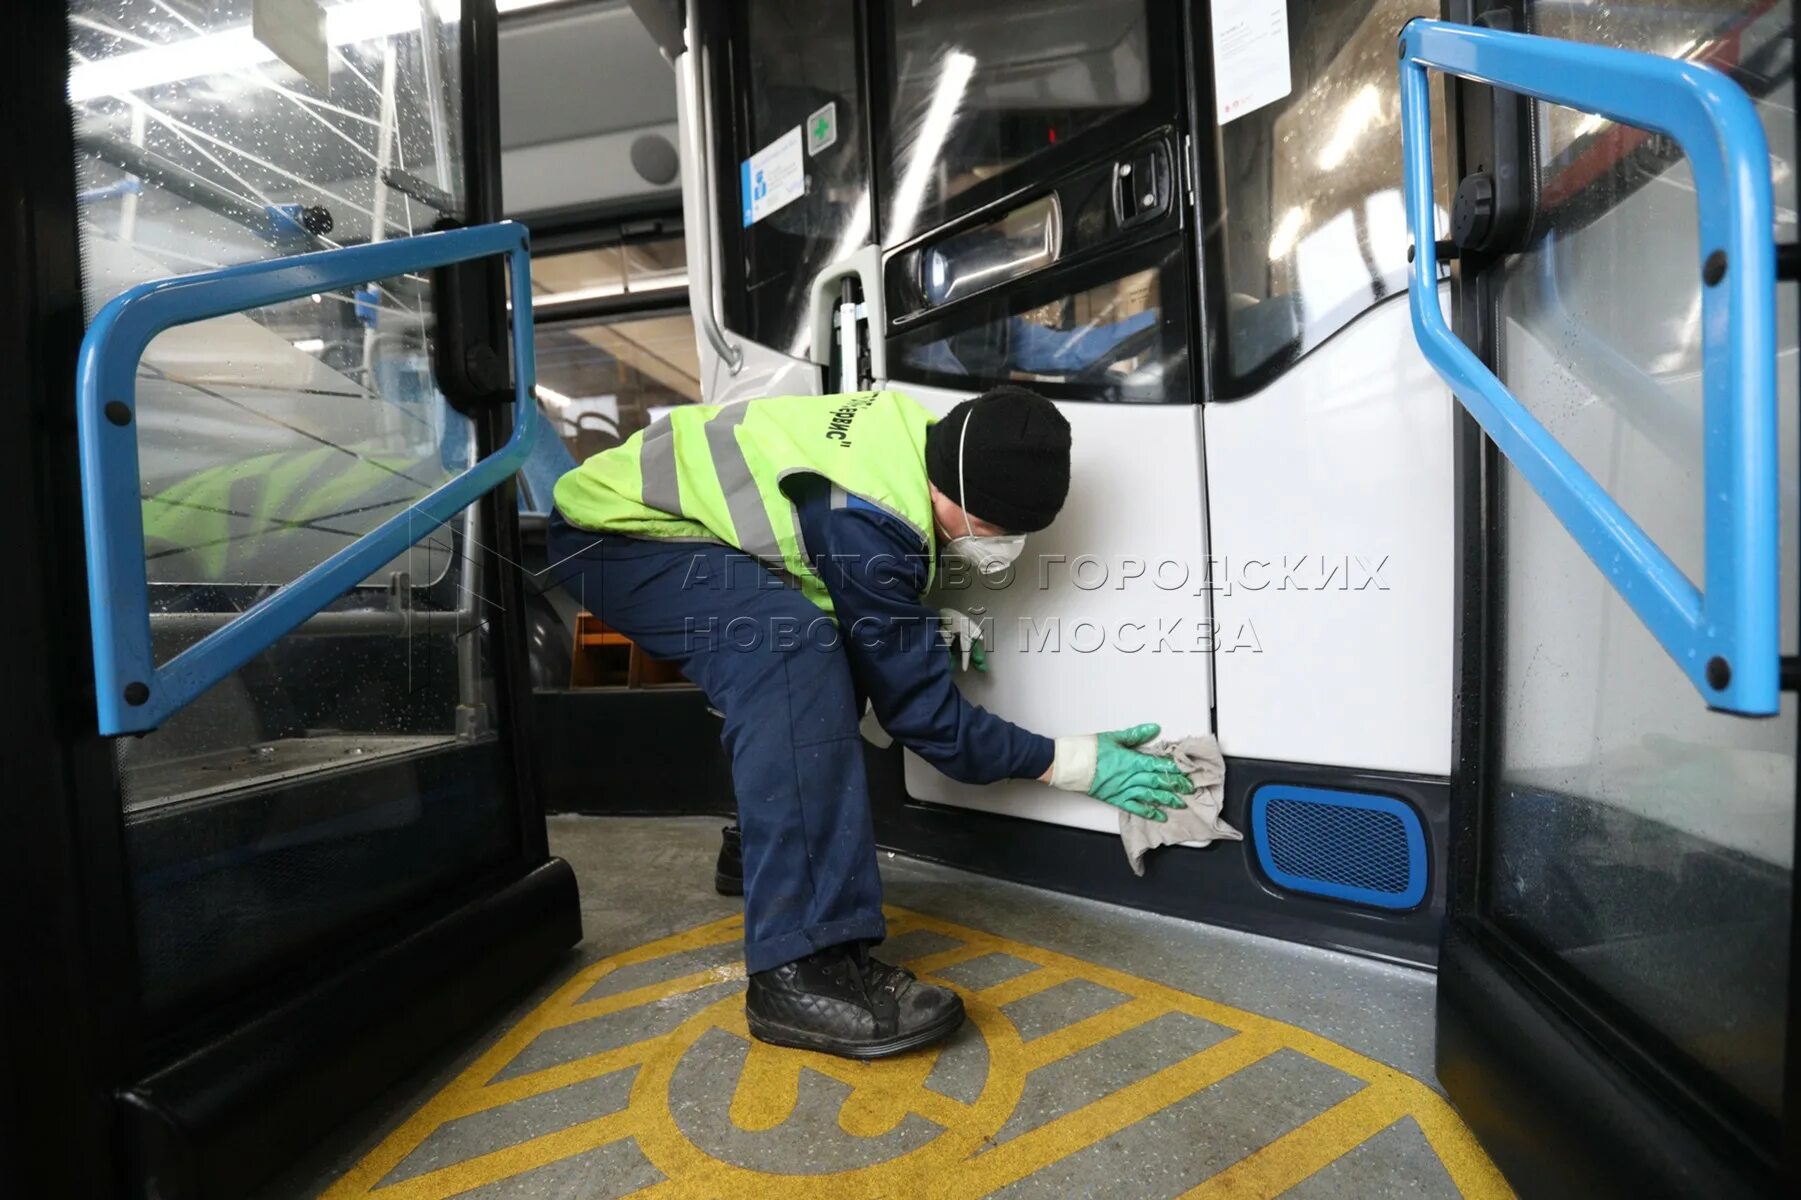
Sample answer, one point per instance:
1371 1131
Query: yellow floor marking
1041 979
767 1088
966 1127
770 1085
464 1094
648 994
931 964
523 1087
1103 1118
1303 1150
959 1161
1091 1031
483 1169
1469 1166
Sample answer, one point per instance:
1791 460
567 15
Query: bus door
1258 531
309 850
1029 188
996 191
1329 481
1616 990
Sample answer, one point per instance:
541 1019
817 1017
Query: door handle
132 693
1724 636
823 300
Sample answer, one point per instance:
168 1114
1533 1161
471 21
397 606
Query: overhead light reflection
1354 121
1287 231
947 97
856 231
672 282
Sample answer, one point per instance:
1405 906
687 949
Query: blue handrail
1724 638
133 694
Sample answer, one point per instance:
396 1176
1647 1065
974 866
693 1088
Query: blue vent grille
1346 845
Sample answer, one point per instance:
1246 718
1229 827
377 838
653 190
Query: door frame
1564 1088
69 975
100 1103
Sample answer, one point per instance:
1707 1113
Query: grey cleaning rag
1200 823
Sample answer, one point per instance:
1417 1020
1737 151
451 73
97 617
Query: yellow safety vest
714 473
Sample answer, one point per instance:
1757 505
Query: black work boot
728 875
841 1001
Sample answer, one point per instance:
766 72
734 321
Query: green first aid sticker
822 128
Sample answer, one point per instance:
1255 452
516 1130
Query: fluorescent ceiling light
507 6
236 50
310 345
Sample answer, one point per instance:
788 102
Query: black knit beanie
1015 458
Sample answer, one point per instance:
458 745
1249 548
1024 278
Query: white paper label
773 177
295 31
1250 55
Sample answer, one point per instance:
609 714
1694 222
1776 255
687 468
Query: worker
777 551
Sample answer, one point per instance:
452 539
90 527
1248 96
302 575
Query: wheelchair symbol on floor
699 1109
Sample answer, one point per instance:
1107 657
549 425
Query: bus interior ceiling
427 895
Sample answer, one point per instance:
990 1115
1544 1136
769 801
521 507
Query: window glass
602 381
1123 339
267 440
1316 229
799 80
627 269
980 86
272 438
1752 43
1640 845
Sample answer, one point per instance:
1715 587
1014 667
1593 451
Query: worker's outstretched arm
875 569
874 566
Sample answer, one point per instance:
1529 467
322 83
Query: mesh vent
1336 844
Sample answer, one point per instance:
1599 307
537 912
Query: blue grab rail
133 694
1724 638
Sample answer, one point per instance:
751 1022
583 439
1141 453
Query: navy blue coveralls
791 685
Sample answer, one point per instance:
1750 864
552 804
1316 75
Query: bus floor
1108 1051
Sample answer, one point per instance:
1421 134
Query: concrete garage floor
1108 1052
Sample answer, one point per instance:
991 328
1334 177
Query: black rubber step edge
236 1111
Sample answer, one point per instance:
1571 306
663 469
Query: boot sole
728 885
800 1039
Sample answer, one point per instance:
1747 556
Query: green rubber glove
1105 766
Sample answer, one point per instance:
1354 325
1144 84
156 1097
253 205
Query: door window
626 272
793 94
1314 229
615 347
602 381
1093 334
1640 845
978 87
268 440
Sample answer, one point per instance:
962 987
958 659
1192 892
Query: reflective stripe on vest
714 473
743 499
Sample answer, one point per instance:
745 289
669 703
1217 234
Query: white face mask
989 555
